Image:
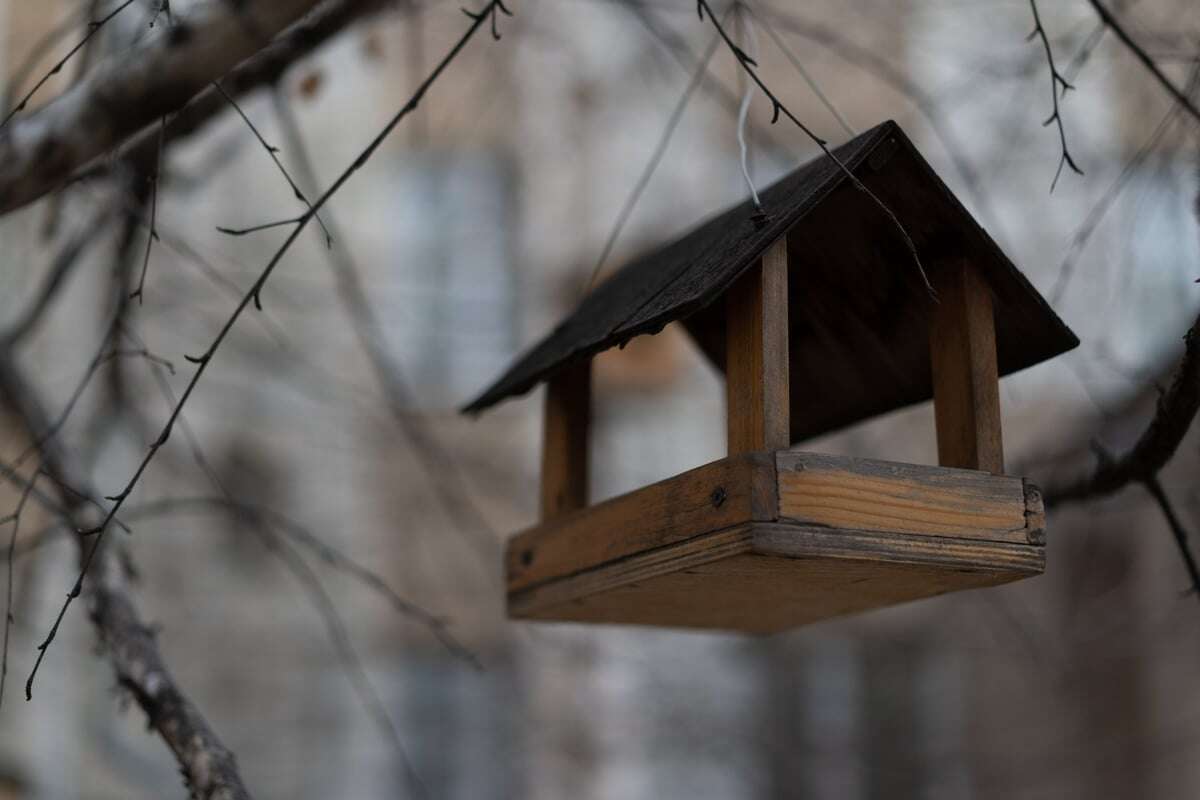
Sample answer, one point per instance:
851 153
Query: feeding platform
817 313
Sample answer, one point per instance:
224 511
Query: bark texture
136 88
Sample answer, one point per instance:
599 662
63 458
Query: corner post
966 384
565 440
758 402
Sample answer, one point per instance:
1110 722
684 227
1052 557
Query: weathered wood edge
912 498
789 540
781 540
1035 513
702 549
723 493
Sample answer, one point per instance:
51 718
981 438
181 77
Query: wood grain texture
756 353
134 88
764 577
763 542
724 493
966 387
565 452
864 494
634 571
801 541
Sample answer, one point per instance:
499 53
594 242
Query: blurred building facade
476 229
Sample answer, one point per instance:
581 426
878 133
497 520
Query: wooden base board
779 540
765 578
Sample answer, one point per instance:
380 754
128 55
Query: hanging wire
750 39
656 157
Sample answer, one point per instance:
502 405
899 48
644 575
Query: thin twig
67 259
1178 531
1083 234
152 235
351 662
93 28
926 104
156 77
46 436
778 108
1140 53
202 362
279 223
656 157
263 69
273 152
449 486
808 79
33 57
1176 409
1057 81
209 768
15 519
682 54
314 588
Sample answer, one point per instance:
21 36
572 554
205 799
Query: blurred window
449 298
458 725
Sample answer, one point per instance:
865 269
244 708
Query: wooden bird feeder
819 316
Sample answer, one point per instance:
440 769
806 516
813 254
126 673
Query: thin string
751 41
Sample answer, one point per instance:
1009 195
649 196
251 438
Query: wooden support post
565 440
756 356
966 385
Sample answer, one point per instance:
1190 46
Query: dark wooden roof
858 308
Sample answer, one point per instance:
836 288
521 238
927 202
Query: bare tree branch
1176 409
368 329
15 520
1178 531
1057 82
1140 53
93 28
202 361
656 156
60 268
209 768
1083 234
18 75
750 67
265 68
126 93
867 59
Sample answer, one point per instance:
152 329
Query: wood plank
756 353
766 577
566 425
790 540
864 494
717 495
632 571
966 388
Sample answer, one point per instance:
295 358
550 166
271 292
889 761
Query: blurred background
476 228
